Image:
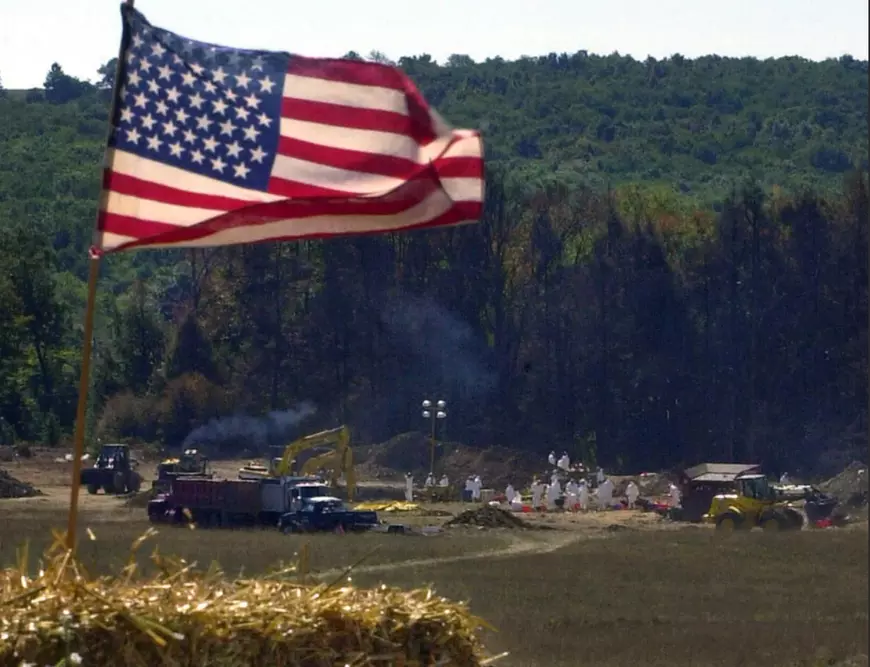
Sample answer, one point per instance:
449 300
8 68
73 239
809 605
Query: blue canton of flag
207 109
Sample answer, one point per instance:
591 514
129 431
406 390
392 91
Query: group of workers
573 494
576 495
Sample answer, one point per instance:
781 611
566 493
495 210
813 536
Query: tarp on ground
388 506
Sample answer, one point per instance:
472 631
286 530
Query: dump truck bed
230 495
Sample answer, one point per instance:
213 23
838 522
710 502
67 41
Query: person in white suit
632 493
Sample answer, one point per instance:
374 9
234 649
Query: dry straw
181 616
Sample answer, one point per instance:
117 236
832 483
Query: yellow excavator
337 462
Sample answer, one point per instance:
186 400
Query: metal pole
432 445
85 376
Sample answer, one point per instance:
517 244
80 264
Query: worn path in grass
518 545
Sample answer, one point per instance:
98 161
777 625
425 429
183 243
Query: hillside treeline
672 266
612 327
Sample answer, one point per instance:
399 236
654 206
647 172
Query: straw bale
63 615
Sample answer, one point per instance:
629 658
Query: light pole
433 412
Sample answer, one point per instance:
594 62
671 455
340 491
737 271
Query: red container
238 496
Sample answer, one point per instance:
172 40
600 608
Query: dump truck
113 472
326 513
228 502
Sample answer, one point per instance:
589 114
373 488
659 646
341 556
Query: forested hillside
672 266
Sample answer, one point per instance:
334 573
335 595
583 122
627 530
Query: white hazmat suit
605 494
409 488
509 493
583 496
475 489
632 493
537 492
564 462
675 495
554 491
552 458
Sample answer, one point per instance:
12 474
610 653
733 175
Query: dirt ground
605 588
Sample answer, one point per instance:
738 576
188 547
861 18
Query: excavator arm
340 437
337 462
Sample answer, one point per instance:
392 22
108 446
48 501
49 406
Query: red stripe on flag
348 71
369 163
459 212
125 225
137 187
340 115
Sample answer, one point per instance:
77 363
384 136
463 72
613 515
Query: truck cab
324 513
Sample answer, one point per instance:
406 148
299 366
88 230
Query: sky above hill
83 34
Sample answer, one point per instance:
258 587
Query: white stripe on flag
346 94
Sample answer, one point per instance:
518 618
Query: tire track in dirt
519 547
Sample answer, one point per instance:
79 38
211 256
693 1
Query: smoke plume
445 347
275 427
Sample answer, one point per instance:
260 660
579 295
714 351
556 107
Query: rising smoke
273 428
445 348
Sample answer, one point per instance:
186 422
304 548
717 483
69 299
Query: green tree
140 341
61 88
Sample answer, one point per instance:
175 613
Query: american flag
212 146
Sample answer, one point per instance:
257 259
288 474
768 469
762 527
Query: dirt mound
15 488
850 486
487 516
409 452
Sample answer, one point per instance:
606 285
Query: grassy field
678 598
587 593
251 551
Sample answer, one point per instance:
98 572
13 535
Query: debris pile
850 486
653 484
15 488
487 516
410 452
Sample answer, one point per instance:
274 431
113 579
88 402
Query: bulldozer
191 463
753 503
113 472
336 460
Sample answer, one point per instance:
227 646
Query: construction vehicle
212 502
754 502
113 472
337 460
190 464
703 482
321 514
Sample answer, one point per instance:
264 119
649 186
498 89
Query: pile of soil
850 487
409 452
488 516
15 488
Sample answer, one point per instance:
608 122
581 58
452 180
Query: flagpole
85 376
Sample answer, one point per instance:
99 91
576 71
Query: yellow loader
753 503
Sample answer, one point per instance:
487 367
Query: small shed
700 483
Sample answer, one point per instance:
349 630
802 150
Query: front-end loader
754 503
113 472
191 463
